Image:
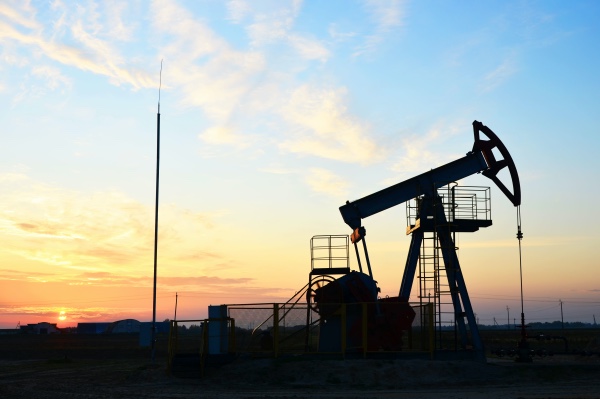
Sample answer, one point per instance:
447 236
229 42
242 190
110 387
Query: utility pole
562 320
508 317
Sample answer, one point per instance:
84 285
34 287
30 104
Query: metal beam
426 183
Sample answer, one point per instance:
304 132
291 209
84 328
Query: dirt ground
550 377
116 367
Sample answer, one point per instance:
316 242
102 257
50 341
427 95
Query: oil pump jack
434 216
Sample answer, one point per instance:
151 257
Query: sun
62 315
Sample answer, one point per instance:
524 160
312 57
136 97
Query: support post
364 323
275 329
367 256
411 265
343 328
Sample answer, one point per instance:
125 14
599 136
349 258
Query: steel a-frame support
432 209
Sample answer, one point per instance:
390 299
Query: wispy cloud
323 127
386 16
309 49
237 10
87 50
418 155
119 17
206 70
319 180
223 134
53 77
12 274
338 35
51 313
103 231
20 13
237 88
499 75
326 182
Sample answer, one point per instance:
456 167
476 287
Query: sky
274 114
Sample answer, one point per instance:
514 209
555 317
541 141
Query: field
113 366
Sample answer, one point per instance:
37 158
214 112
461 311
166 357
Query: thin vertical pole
520 237
524 353
175 316
562 320
153 333
275 329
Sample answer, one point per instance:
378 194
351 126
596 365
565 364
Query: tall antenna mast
153 334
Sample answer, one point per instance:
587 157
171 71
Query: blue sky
274 113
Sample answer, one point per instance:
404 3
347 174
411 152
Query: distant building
92 328
127 326
40 328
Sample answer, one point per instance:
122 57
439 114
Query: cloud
238 90
274 26
206 70
319 180
54 78
225 135
322 127
499 75
309 49
87 49
235 89
120 29
52 313
325 182
11 274
20 13
386 16
337 35
237 10
102 231
418 156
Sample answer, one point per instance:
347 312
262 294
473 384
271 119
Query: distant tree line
552 325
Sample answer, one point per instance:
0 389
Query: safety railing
459 202
329 254
272 329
